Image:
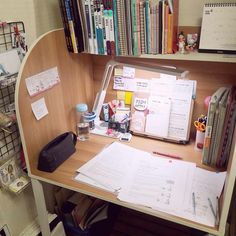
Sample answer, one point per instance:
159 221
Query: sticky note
128 72
39 108
120 95
128 98
118 72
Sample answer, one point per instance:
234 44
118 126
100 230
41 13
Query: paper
206 184
128 97
128 72
42 81
120 95
9 63
157 121
110 167
126 84
181 102
83 178
158 183
39 108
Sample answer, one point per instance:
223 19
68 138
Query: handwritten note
39 108
42 81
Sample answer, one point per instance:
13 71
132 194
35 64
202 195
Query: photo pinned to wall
8 172
18 39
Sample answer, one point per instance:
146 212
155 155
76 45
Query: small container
199 142
83 131
89 117
82 127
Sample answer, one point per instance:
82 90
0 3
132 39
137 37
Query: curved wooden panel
76 86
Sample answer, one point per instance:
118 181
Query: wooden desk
80 77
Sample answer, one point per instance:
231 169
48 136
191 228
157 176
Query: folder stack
220 127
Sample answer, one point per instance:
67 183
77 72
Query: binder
218 31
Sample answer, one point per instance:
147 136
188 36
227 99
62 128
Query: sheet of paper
206 184
112 165
83 178
158 183
181 102
39 108
127 84
128 72
42 81
157 120
9 62
161 87
122 83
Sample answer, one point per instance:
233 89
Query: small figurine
181 42
191 42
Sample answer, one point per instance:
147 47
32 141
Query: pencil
167 155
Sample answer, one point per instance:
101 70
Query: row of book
220 127
120 27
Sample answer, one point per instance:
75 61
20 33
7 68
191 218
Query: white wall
39 16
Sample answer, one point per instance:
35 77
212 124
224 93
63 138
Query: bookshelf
81 77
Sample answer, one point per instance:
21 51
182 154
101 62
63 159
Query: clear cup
83 131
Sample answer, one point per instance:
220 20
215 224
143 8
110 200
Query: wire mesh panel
10 138
10 143
9 33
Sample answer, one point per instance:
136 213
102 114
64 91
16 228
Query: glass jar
82 127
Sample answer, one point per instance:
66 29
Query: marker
167 155
194 203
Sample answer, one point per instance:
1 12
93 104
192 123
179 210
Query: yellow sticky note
128 98
120 95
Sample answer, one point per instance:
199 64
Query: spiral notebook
218 31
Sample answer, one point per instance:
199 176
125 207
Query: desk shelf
81 76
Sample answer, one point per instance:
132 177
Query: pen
217 211
194 203
212 209
167 155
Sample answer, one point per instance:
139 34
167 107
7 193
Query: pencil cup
199 140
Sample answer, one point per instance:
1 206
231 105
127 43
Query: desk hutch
81 76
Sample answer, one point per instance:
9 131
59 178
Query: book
78 26
142 27
175 23
66 26
215 98
218 29
135 27
111 28
228 129
219 126
71 25
89 27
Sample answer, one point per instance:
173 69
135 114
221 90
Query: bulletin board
161 99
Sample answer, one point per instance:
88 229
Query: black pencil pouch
57 151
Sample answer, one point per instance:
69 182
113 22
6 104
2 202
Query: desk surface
64 175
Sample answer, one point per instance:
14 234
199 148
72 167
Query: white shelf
194 56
